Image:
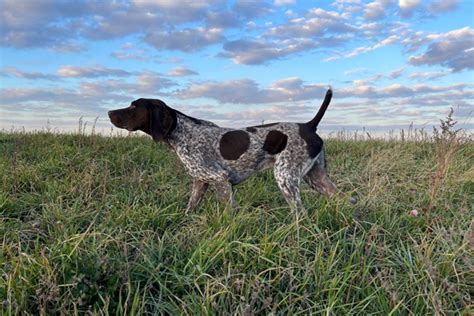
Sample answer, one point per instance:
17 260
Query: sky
390 63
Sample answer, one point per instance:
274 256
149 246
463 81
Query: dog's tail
313 124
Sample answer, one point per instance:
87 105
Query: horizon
391 64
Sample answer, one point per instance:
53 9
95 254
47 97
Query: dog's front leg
198 190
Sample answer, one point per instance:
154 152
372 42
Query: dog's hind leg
318 179
288 181
225 193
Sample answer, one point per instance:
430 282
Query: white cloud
407 7
253 52
284 2
151 83
396 73
91 72
316 22
408 4
429 75
367 89
454 49
187 40
387 41
442 6
181 72
33 75
374 10
246 91
317 29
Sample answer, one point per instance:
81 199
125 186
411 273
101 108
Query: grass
92 224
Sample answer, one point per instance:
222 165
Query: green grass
97 224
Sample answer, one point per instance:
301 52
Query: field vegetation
95 224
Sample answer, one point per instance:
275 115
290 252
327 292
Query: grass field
96 224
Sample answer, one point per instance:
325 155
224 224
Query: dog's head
151 116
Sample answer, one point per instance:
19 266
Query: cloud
69 47
187 40
419 103
177 11
251 9
414 41
233 91
20 21
222 19
366 89
443 6
151 83
139 54
258 51
90 94
454 49
283 2
316 22
407 7
118 19
254 52
251 117
396 73
246 91
63 22
147 83
375 10
91 72
130 51
348 6
294 89
288 99
318 28
365 49
181 72
84 98
15 72
428 75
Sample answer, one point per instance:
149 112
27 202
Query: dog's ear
162 120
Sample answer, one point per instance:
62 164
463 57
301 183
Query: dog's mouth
128 128
118 122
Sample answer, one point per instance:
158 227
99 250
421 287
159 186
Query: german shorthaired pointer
223 157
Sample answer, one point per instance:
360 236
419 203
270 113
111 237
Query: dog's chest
196 151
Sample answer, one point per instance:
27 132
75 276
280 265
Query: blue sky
390 62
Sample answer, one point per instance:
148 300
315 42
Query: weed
446 145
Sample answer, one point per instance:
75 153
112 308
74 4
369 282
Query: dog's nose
109 113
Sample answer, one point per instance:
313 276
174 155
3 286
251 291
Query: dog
223 157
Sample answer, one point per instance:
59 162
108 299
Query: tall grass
92 224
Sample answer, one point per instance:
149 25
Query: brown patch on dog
314 143
275 142
233 144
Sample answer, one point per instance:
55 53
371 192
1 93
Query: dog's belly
247 165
